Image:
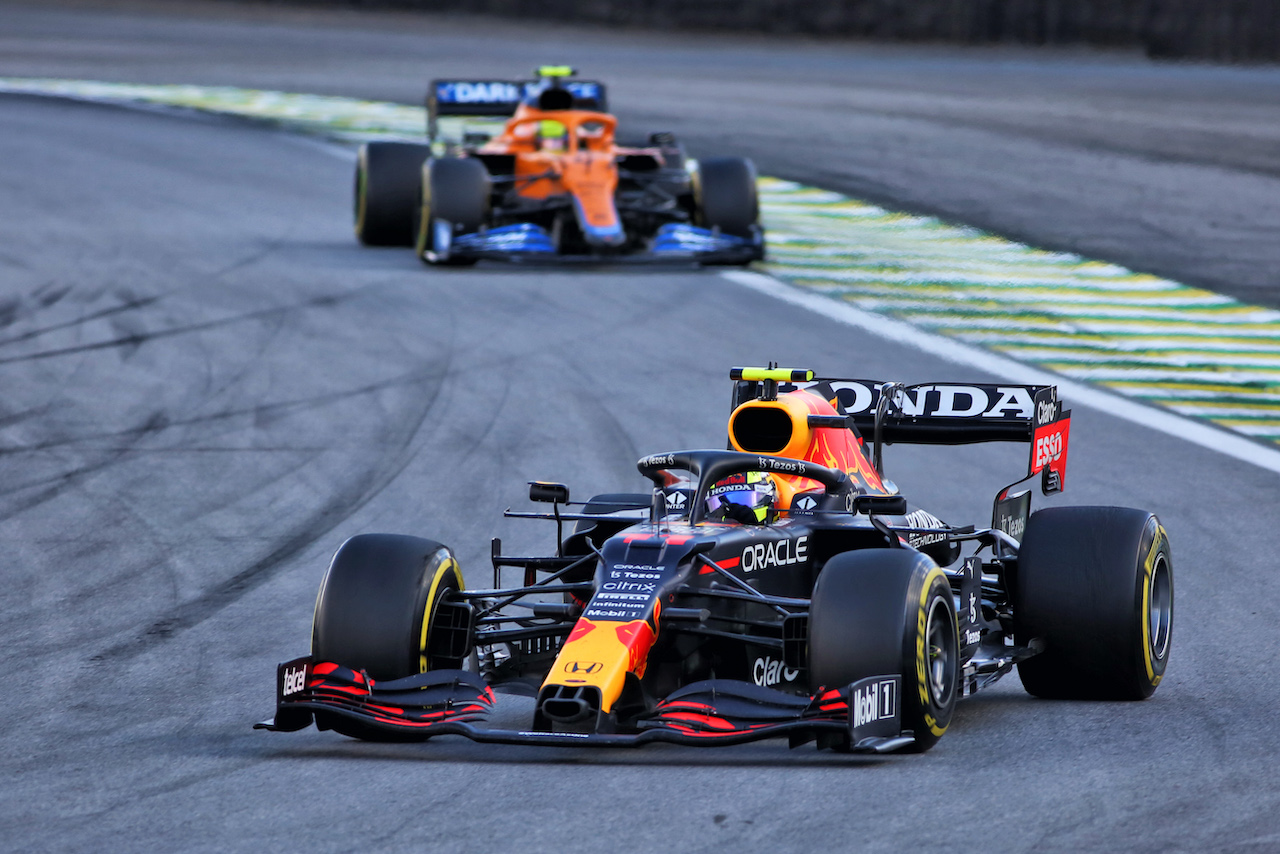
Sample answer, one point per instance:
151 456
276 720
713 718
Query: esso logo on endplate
1048 449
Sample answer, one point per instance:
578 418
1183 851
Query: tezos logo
786 466
293 681
658 461
766 672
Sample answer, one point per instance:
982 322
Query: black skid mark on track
55 485
7 318
136 340
196 611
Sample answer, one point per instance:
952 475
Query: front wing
527 242
864 716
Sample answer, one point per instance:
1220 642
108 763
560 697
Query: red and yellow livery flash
780 589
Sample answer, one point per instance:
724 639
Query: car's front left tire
888 611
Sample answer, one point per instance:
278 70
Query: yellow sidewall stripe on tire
922 658
1201 354
1148 568
449 567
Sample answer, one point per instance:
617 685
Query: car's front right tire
454 196
377 602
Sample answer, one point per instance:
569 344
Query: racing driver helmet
748 498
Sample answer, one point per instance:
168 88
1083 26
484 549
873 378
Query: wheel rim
941 639
1159 608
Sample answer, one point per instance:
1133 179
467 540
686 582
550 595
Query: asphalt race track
207 385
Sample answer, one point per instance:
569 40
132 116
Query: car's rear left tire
386 192
377 602
1095 584
888 611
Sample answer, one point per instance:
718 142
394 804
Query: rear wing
499 98
931 413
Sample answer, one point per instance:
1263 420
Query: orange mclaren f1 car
554 183
779 589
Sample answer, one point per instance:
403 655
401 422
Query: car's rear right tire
888 611
1095 584
386 191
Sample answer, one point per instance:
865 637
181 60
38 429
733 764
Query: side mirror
880 505
549 493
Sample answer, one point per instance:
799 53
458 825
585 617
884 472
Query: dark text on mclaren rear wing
499 98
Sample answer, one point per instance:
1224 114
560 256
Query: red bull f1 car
552 184
779 589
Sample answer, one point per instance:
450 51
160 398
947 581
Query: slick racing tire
886 611
377 604
453 196
724 194
386 192
1095 584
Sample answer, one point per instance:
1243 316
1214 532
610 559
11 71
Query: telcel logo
293 681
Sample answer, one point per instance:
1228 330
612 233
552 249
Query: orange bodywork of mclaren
579 159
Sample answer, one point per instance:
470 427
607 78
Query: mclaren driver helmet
748 498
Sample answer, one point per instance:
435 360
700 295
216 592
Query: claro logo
767 672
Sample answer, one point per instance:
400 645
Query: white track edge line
1072 392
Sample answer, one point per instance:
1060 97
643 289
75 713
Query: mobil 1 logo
874 708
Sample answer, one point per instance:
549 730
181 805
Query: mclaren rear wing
931 413
499 98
